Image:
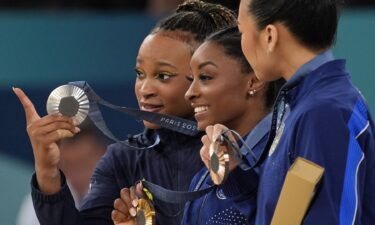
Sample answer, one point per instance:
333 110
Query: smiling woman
225 90
220 81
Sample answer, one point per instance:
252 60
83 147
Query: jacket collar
257 133
303 83
312 65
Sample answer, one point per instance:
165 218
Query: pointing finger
31 114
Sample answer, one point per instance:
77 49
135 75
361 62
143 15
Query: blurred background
47 43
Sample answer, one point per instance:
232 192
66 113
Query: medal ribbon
174 123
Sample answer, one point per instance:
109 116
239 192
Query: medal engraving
145 212
219 163
141 219
214 163
69 106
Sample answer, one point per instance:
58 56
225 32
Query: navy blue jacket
223 205
171 163
326 122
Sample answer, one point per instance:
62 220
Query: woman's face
218 92
161 69
253 47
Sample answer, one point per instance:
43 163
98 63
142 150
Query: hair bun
216 12
191 6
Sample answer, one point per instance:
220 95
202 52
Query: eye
139 73
204 77
164 76
190 78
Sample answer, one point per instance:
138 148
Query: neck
293 53
294 60
243 125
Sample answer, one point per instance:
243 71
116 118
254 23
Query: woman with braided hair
158 155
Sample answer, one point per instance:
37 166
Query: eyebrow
159 63
206 64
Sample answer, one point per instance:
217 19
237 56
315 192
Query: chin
150 125
202 126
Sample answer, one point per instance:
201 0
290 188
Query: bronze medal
219 163
145 212
70 101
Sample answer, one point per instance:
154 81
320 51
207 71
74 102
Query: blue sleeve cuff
37 195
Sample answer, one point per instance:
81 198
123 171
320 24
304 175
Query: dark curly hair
194 20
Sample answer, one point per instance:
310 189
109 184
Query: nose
192 92
146 88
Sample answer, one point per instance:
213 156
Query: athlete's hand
44 133
126 206
212 134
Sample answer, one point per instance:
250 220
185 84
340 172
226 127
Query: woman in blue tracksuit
161 156
319 115
225 90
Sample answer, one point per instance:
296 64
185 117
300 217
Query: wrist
49 180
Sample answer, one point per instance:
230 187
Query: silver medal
70 101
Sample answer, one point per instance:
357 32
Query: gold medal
219 163
70 101
145 212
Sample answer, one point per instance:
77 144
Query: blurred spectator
79 156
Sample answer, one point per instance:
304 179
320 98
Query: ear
271 36
255 85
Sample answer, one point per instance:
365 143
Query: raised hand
212 134
44 133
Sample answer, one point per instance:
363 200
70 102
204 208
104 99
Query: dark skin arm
44 133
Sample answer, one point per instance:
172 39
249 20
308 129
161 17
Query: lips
201 114
151 107
200 109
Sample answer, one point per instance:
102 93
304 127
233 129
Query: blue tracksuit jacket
325 120
170 163
223 205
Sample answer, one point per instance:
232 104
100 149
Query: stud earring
252 92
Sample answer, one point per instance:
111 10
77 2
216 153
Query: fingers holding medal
134 207
221 154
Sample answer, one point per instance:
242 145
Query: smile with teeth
199 109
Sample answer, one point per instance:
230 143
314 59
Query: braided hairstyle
230 40
194 20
